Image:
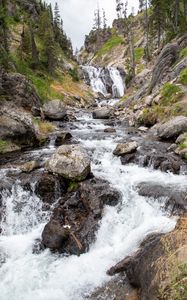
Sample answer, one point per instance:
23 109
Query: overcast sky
78 16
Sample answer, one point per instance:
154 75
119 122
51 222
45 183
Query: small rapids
26 276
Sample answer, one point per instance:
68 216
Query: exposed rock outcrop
17 125
18 90
165 60
173 128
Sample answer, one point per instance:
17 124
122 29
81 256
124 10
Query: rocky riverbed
71 228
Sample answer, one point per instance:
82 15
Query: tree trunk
147 32
35 58
176 15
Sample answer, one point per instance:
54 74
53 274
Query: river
26 276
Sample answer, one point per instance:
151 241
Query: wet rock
49 187
176 196
102 113
62 137
54 235
38 247
173 128
54 110
106 78
80 213
118 288
71 162
157 268
153 153
110 130
164 162
128 158
125 148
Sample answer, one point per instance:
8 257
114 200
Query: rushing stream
26 276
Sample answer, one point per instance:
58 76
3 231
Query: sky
78 16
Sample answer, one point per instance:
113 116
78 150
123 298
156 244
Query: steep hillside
36 66
33 43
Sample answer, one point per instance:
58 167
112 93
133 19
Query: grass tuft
183 76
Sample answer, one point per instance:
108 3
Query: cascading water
95 79
118 85
26 276
105 80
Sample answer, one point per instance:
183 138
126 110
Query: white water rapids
46 276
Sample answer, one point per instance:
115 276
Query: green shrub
111 43
170 93
183 76
74 74
44 126
138 53
7 146
183 53
148 117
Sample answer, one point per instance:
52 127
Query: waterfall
118 85
95 79
105 80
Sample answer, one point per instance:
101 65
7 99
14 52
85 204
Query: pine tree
143 6
158 18
97 19
119 8
46 33
104 20
57 18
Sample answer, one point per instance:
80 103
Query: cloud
78 16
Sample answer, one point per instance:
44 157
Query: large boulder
71 162
17 126
54 235
159 267
75 221
18 90
125 148
54 110
173 128
102 113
